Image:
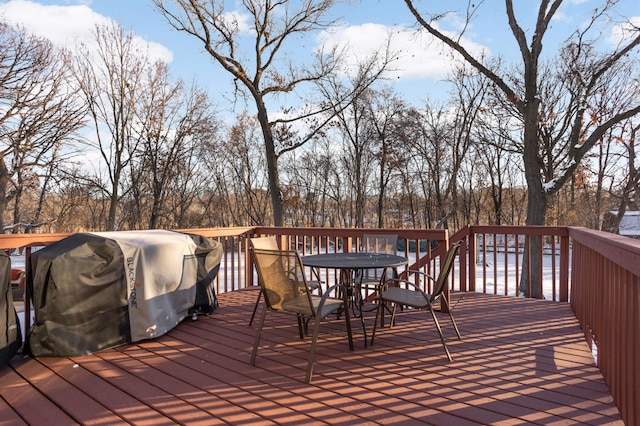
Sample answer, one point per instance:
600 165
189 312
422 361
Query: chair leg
255 307
380 302
312 353
347 319
258 335
301 326
375 323
435 320
393 315
455 326
306 326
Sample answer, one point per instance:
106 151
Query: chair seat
330 305
300 305
314 285
403 296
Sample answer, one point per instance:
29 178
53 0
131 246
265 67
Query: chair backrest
265 243
282 279
379 243
445 270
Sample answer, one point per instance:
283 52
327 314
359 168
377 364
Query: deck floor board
519 362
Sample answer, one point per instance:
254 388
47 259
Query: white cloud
625 32
66 25
419 55
242 20
561 17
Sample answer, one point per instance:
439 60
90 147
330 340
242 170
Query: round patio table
348 264
354 261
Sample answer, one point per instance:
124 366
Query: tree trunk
272 163
382 186
113 200
4 178
111 220
17 202
536 203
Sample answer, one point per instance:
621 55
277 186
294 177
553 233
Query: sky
417 75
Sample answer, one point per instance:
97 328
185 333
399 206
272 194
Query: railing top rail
410 234
221 232
621 250
13 241
561 231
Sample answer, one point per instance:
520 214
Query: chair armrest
405 275
404 279
323 299
393 282
328 291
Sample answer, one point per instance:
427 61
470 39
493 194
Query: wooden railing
597 273
605 296
501 258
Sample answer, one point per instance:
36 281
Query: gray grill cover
93 291
10 336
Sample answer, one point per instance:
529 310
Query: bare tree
357 140
174 123
497 168
264 68
51 206
39 111
494 164
386 110
582 61
239 174
585 70
626 191
307 177
111 75
434 149
440 141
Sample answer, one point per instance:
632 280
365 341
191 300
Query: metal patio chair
270 243
402 292
285 291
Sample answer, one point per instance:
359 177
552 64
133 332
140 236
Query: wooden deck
519 362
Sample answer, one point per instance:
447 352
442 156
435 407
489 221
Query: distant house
629 225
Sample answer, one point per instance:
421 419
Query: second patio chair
413 296
270 243
285 291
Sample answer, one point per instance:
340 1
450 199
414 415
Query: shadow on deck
519 361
